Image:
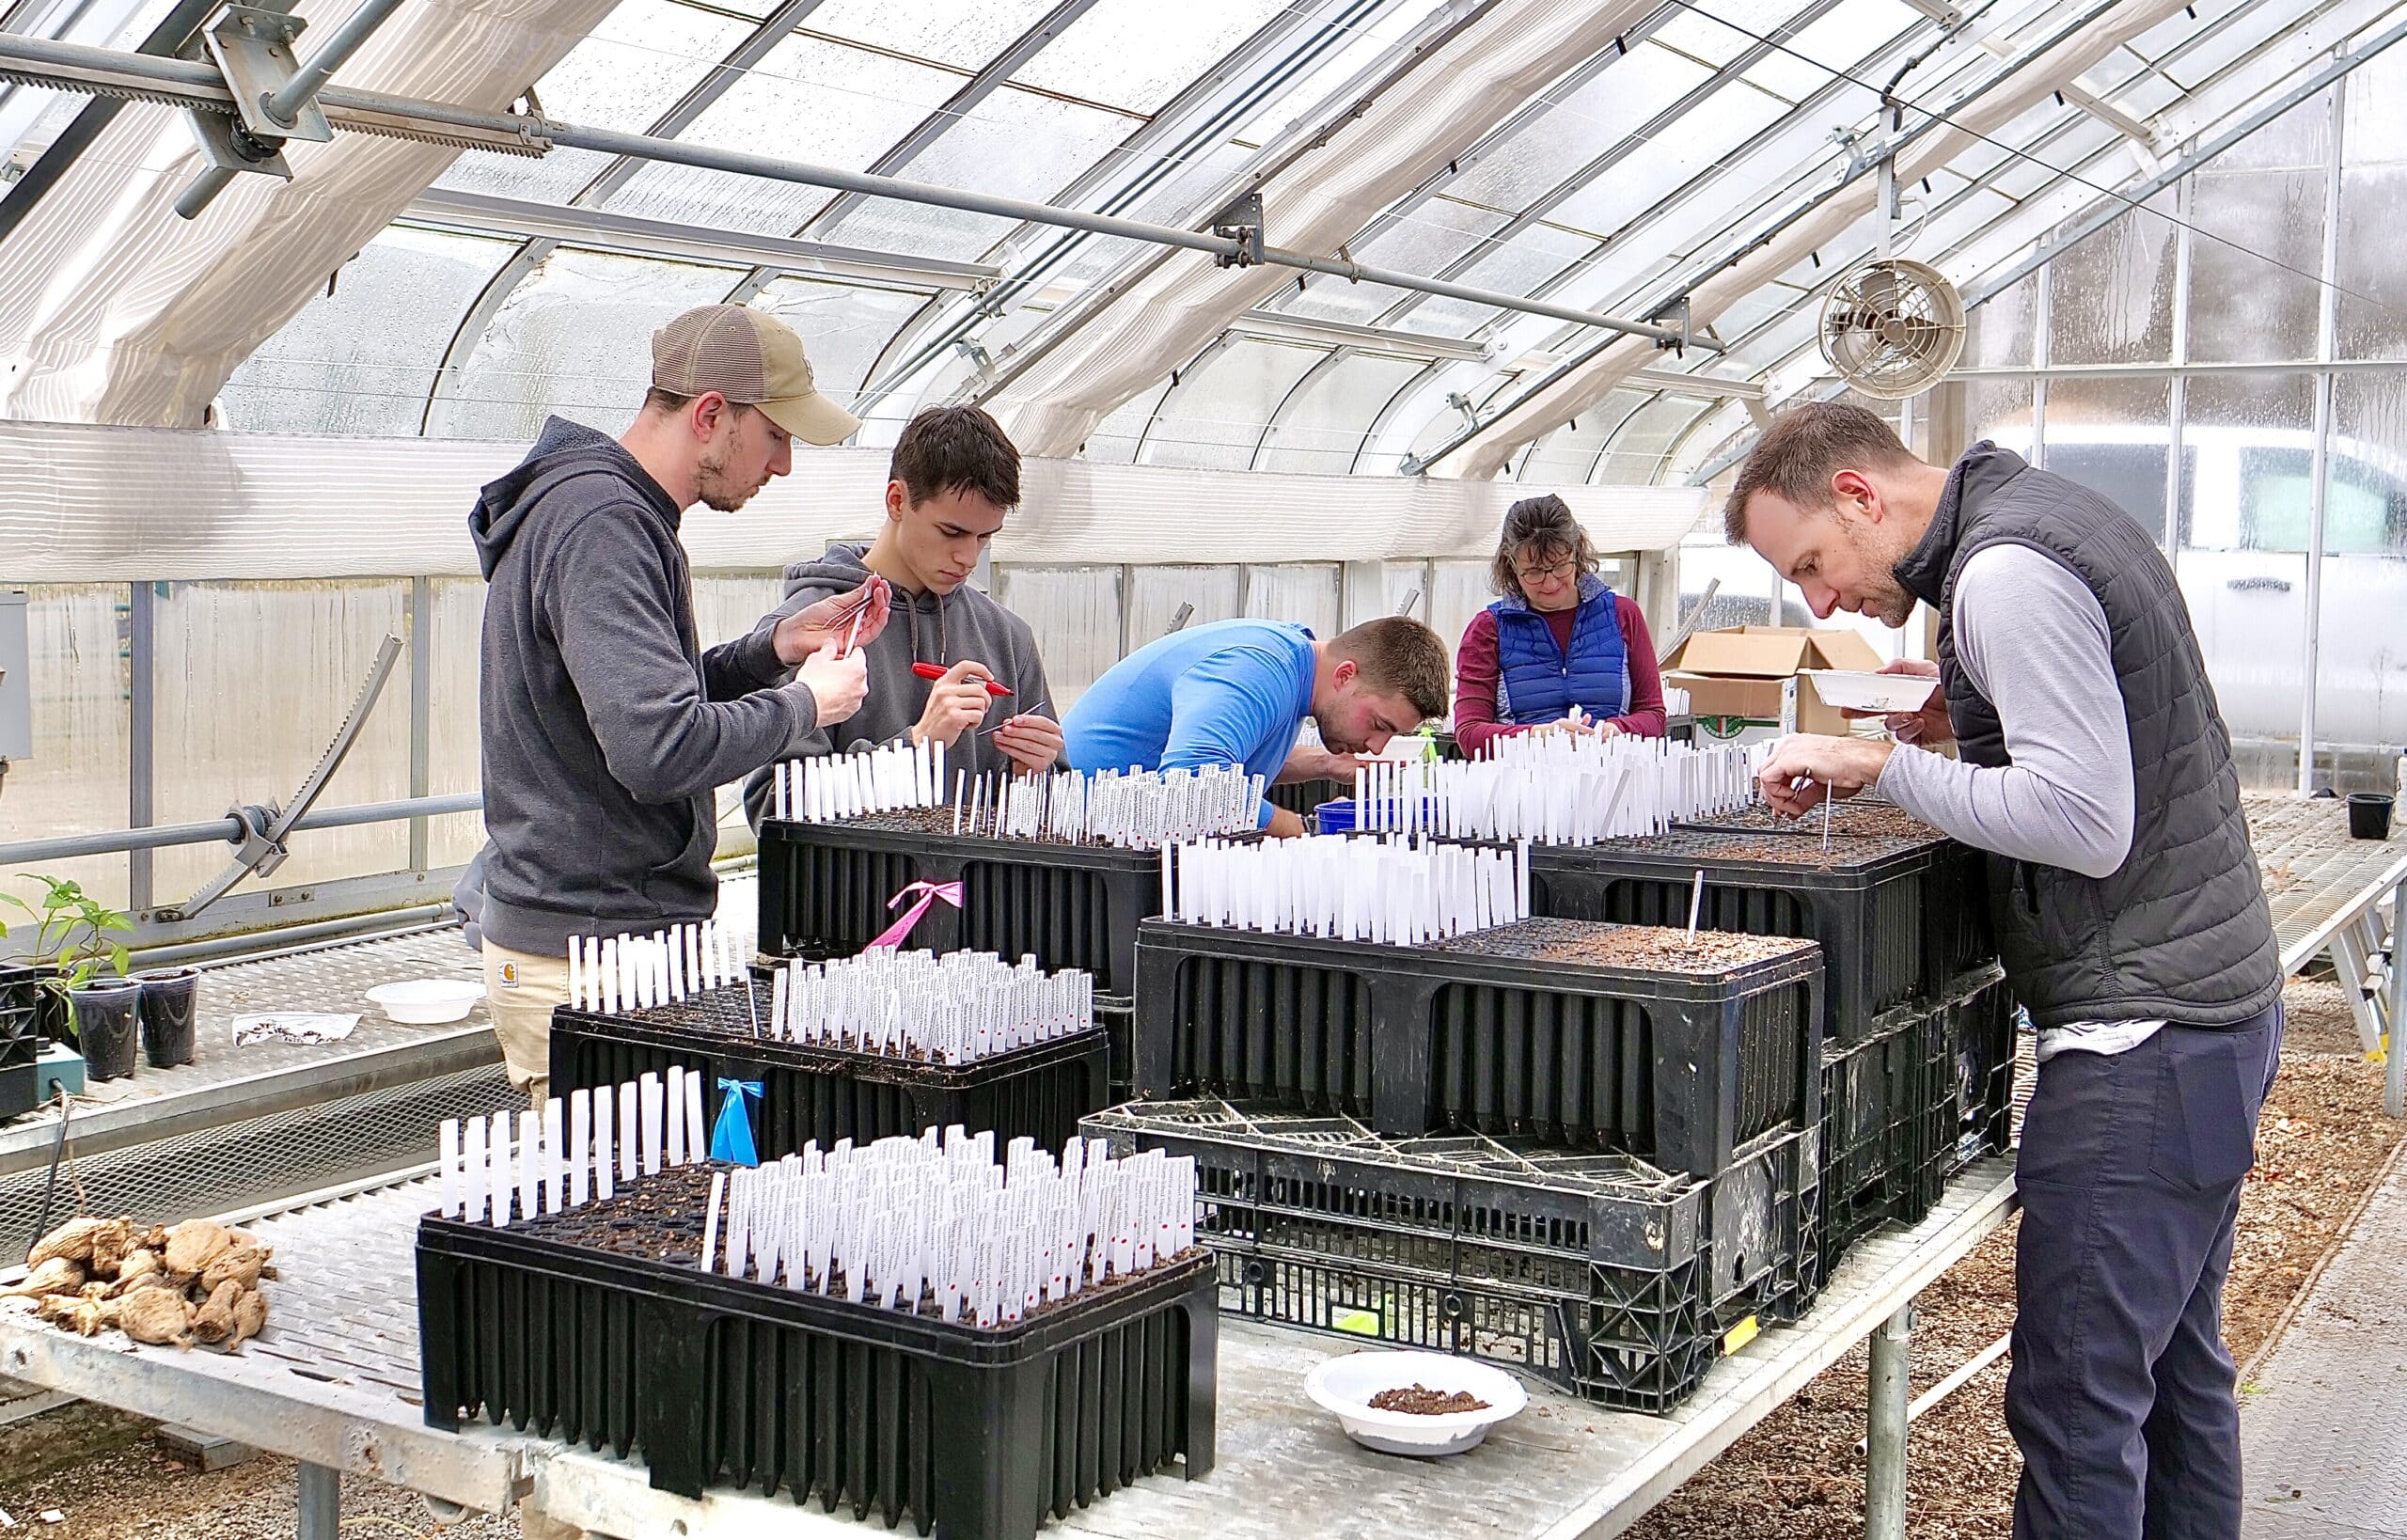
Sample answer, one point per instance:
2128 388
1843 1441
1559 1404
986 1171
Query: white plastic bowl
1345 1386
1848 690
424 1002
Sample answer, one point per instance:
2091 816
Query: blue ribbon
731 1136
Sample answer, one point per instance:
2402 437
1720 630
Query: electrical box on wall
16 681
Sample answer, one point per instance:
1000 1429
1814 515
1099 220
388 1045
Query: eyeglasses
1563 568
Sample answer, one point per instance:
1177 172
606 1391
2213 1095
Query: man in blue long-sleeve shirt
1235 693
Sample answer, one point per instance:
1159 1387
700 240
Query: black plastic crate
1678 1069
825 890
721 1381
1957 933
20 1040
1596 1272
812 1092
1889 911
1911 1105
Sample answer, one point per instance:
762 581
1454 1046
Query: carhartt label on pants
509 975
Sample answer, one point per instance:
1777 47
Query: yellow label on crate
1363 1323
1740 1336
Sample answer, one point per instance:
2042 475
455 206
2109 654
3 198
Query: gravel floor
1796 1477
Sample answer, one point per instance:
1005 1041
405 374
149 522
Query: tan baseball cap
752 358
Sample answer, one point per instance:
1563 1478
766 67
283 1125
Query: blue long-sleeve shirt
1230 693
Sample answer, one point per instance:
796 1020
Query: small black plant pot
168 999
105 1026
2368 815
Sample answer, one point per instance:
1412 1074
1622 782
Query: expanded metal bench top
334 1381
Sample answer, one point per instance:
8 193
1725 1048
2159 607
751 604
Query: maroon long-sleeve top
1476 721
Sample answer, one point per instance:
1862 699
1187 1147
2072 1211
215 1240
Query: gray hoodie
928 628
605 726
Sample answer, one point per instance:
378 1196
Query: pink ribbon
929 892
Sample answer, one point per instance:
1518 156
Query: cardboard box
1749 673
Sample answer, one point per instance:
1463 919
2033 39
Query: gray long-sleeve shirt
2033 639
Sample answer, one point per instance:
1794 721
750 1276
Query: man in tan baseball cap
752 359
605 725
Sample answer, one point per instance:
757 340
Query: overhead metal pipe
79 67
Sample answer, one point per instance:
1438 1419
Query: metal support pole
321 1502
422 713
1884 1478
140 768
2394 1068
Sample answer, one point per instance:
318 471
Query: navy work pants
2121 1393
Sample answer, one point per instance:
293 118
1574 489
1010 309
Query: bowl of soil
1418 1404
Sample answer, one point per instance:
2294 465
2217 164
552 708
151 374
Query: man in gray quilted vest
2095 769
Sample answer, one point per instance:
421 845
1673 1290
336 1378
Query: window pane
2110 436
1321 429
2253 294
1136 55
78 643
362 359
576 340
455 633
2372 275
1075 612
1216 418
1158 593
253 681
811 100
624 75
2248 604
943 31
1306 594
2111 296
2361 685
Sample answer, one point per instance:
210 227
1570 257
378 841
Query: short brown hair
1804 447
1401 657
956 449
1546 523
657 399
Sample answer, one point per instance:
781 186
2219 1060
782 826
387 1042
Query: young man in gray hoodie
953 480
605 726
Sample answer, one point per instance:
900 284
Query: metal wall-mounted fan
1892 327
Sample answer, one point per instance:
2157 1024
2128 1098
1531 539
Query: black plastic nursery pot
107 1028
170 997
20 1040
826 891
1615 1281
1930 1091
1502 1031
809 1091
563 1326
1897 915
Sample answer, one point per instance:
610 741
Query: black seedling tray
809 1092
1596 1272
1896 915
824 889
1678 1068
1926 1094
721 1381
20 1040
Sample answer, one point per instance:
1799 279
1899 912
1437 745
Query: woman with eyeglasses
1558 651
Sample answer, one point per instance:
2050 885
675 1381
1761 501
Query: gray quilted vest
2179 932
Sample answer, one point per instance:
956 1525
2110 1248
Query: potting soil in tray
1606 1037
1849 819
1896 915
596 1327
1599 1273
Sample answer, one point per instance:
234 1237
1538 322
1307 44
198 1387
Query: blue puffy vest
1536 683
